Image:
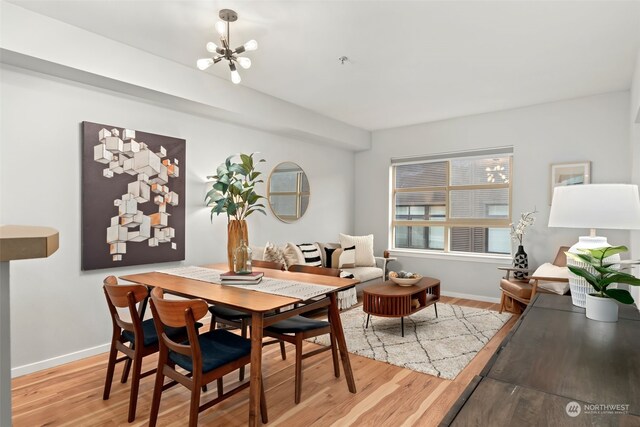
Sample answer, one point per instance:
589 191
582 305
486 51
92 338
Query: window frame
449 222
298 194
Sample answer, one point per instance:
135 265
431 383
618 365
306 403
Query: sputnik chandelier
224 51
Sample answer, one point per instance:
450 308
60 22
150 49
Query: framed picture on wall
569 174
133 193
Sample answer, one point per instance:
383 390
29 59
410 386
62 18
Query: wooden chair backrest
172 312
267 264
177 314
561 257
118 294
323 271
124 296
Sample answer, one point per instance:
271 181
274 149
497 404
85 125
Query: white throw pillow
293 255
550 270
364 248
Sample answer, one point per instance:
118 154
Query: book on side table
232 278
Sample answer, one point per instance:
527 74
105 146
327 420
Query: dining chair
295 330
323 271
299 328
221 315
206 357
140 336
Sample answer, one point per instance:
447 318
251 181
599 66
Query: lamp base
589 242
579 286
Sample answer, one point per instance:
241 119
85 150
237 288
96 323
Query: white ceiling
410 61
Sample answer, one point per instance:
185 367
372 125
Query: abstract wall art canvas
133 193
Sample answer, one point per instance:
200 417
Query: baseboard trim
30 368
470 296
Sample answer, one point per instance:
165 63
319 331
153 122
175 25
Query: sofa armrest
381 262
509 270
549 279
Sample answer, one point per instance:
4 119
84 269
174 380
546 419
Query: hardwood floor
71 395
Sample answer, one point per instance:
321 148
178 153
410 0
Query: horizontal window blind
417 175
453 202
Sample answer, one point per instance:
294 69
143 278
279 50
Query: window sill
456 256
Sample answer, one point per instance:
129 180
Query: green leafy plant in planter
605 274
233 189
233 192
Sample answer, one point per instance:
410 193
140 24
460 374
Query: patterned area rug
441 347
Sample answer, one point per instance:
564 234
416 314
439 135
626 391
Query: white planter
602 309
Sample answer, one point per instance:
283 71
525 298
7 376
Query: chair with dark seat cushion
295 330
150 335
233 346
297 324
206 357
517 293
221 315
132 332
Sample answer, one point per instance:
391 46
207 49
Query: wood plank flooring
71 395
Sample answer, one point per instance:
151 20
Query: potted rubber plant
233 193
601 305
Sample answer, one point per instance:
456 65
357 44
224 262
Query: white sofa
366 275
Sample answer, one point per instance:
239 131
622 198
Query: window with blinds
457 204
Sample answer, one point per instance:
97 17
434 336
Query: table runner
268 285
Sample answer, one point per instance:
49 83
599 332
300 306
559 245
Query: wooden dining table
258 304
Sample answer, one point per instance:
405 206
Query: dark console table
556 367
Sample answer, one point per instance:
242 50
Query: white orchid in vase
526 220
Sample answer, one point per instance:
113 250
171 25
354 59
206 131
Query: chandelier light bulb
244 62
235 75
251 45
223 51
221 28
204 63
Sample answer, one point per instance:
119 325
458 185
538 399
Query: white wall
634 119
58 309
593 128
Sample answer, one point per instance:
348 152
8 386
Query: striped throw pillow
311 254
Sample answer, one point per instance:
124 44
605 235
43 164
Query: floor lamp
593 206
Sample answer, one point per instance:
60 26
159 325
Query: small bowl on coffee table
405 281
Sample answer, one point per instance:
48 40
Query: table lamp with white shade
593 206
